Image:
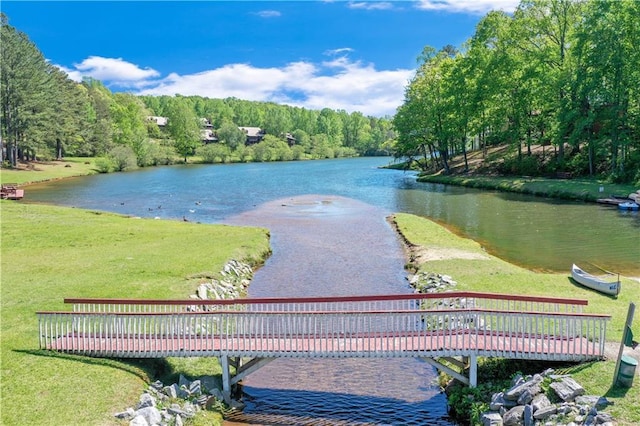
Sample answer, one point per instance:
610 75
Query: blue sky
351 55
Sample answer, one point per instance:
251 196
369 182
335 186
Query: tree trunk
58 149
590 148
464 154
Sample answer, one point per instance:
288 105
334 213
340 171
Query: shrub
579 164
467 404
104 165
123 158
297 152
163 156
527 166
156 155
214 153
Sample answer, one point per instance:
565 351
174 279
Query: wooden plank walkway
406 344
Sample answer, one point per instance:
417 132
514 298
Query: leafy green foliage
214 153
558 72
467 404
122 158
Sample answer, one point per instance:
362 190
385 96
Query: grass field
493 275
32 172
49 253
571 189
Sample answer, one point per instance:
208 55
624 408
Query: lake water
329 237
535 232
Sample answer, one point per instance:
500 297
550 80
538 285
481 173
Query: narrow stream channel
332 246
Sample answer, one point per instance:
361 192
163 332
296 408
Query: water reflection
343 396
538 233
326 245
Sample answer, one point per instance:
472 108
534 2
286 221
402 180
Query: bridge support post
226 378
473 370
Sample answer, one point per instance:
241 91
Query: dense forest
557 80
45 116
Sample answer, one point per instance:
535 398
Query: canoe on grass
596 283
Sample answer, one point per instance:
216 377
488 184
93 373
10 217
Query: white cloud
338 83
356 87
479 7
235 80
72 74
371 5
115 70
269 14
339 51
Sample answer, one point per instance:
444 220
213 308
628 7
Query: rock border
526 403
236 278
161 405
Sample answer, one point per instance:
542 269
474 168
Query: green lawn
49 253
572 189
496 276
48 170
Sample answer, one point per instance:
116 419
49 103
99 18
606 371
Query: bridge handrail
234 330
79 314
437 301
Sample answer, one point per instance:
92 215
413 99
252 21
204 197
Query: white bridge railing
490 301
447 324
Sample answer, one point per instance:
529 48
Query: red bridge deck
457 342
453 324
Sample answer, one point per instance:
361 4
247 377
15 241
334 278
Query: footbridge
449 330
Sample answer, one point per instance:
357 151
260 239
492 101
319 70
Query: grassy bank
49 253
32 172
570 189
475 270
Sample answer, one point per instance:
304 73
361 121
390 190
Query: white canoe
628 206
595 283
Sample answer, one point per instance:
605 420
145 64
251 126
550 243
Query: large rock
126 415
527 396
491 419
151 415
545 412
604 418
514 417
599 402
139 421
567 389
195 388
498 401
146 400
203 291
540 401
527 415
532 386
171 391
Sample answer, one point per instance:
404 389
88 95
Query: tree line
45 115
558 81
